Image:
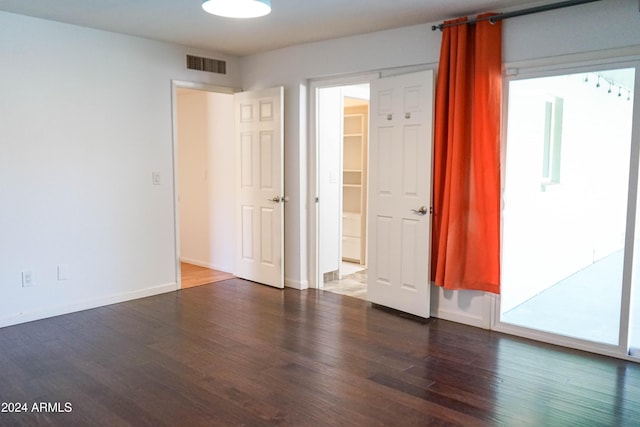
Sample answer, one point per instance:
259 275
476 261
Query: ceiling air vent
206 64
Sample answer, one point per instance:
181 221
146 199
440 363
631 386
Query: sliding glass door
634 293
566 188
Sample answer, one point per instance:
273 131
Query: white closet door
260 182
400 158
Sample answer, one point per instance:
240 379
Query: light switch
63 272
27 279
156 178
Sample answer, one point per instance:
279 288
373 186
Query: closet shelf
355 135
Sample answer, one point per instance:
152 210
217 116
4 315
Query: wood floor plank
193 275
238 353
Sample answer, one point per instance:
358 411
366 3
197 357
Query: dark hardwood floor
237 353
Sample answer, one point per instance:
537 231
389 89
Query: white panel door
260 186
400 158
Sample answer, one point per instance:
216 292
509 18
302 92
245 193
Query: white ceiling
290 22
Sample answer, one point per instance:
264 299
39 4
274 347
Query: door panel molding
401 141
260 186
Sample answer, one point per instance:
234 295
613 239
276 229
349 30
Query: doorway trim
175 85
315 279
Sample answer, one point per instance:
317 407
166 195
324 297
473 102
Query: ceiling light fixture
237 8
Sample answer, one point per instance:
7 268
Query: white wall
193 184
85 119
206 173
602 25
330 114
221 175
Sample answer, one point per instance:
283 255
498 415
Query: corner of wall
52 311
296 284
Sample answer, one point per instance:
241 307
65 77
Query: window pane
565 203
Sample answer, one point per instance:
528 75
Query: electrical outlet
27 279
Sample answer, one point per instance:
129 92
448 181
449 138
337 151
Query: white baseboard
296 284
18 318
459 317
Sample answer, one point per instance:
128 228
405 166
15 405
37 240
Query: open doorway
342 153
229 181
204 168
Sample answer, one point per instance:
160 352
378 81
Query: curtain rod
499 17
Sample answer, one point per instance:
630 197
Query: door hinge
317 199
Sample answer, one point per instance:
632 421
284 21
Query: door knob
421 211
275 199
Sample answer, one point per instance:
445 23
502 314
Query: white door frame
175 85
315 276
575 64
315 279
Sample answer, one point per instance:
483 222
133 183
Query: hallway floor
193 275
353 282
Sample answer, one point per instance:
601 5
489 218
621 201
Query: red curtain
466 224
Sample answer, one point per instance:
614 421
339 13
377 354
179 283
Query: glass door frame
570 65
